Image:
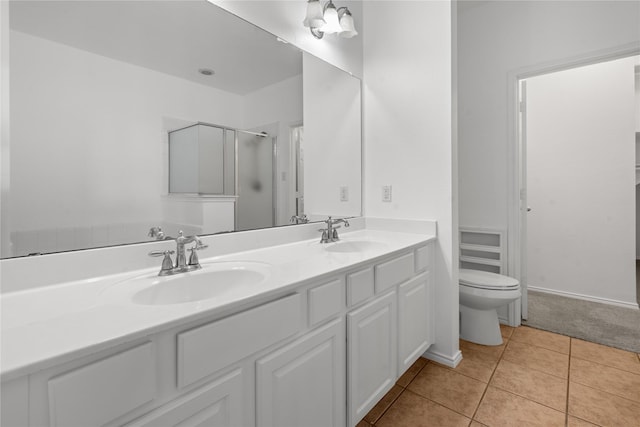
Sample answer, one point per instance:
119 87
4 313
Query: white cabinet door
218 404
371 355
303 384
14 395
414 320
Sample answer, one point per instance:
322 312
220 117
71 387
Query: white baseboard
584 297
444 359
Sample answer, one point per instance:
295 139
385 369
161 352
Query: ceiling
172 37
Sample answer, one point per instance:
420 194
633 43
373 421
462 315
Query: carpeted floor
596 322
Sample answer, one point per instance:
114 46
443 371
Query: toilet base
480 326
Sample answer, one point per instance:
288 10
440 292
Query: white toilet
481 294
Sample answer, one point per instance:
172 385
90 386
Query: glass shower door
255 204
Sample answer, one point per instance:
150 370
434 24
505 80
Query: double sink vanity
300 333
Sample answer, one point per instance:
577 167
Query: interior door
580 183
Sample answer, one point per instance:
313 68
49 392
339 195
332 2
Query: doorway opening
573 200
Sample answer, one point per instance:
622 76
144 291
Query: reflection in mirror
98 89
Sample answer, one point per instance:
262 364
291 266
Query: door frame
516 152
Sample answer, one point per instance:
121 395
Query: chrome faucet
299 219
157 233
181 265
330 234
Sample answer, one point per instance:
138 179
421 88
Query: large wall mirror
259 130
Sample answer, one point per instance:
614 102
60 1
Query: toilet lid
486 280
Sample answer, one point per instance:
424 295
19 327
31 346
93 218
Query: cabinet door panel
371 354
303 384
15 397
414 327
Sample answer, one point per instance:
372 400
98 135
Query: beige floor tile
500 408
531 384
477 364
540 338
602 408
612 380
506 331
604 355
411 410
541 359
376 412
476 424
494 351
411 373
577 422
448 388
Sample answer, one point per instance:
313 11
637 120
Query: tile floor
535 378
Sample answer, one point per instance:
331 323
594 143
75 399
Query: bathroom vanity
309 334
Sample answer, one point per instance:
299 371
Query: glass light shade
347 25
314 17
332 25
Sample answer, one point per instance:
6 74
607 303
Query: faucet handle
161 253
193 258
167 263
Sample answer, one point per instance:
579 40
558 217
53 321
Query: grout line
440 404
609 366
566 410
399 394
475 412
544 348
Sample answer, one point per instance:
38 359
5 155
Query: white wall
56 108
284 19
496 38
332 122
581 181
409 142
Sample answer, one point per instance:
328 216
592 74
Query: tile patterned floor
535 378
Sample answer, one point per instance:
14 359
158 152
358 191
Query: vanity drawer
359 286
423 258
391 273
219 403
209 348
325 301
105 390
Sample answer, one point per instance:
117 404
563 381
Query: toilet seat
485 280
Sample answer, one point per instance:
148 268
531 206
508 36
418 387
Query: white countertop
49 325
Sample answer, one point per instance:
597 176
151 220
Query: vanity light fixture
328 19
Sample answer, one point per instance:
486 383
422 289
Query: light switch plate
386 193
344 194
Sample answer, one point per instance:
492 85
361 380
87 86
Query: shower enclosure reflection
203 161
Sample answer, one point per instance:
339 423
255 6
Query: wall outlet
386 193
344 194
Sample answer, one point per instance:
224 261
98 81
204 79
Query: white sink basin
345 246
214 280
